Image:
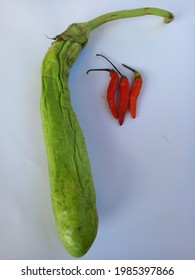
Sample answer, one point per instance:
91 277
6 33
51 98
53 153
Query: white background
143 171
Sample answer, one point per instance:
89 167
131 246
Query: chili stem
99 69
136 73
110 63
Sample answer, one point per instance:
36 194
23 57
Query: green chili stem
96 22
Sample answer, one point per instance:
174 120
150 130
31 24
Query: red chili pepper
112 88
135 91
123 98
124 89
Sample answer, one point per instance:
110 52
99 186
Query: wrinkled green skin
72 190
71 184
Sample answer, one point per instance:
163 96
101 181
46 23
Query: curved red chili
124 89
135 91
112 88
111 91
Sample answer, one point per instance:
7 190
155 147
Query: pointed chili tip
133 115
121 122
115 115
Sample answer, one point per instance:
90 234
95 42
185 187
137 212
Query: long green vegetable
71 184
